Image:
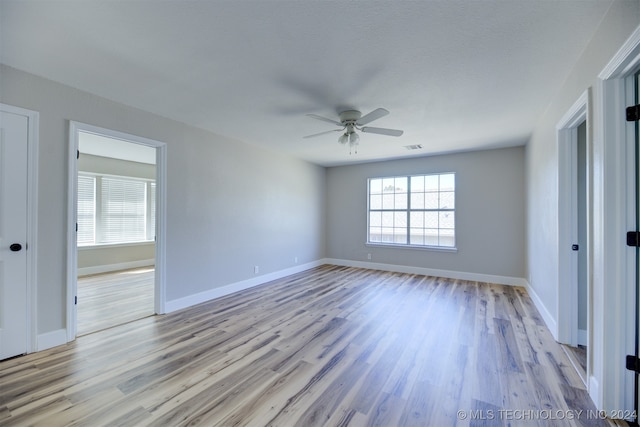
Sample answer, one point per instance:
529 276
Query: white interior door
13 234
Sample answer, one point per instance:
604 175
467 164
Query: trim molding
52 339
97 269
222 291
568 234
161 223
594 389
611 386
625 58
460 275
551 323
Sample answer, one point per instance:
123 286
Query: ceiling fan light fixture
351 121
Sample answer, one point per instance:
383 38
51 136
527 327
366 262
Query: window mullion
408 241
99 216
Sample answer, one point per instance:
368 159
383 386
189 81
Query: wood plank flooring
110 299
332 346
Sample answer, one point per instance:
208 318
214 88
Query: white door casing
566 129
611 386
18 130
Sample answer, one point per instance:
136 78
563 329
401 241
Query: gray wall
230 205
96 256
542 151
490 212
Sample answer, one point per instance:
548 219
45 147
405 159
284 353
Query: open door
633 239
637 170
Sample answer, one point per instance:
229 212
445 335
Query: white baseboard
99 269
51 339
460 275
594 392
210 294
549 320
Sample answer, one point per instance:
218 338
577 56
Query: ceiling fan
352 120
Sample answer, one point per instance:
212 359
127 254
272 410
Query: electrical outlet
295 260
256 269
369 257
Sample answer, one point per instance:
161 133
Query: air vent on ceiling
413 147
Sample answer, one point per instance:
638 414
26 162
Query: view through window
416 210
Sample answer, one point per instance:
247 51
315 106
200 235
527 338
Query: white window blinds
86 210
123 211
114 210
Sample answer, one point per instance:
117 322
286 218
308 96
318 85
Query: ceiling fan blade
323 133
324 119
374 115
382 131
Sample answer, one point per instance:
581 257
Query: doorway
574 231
117 252
577 352
116 231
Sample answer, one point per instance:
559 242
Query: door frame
611 386
567 138
72 214
33 131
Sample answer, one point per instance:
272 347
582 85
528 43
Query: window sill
115 245
413 247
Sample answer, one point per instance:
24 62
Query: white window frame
408 211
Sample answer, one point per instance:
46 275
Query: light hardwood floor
110 299
332 346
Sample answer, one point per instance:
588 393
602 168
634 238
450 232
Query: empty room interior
319 213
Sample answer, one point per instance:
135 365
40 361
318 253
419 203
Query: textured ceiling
456 75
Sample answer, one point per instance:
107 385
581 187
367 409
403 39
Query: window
412 210
115 210
86 210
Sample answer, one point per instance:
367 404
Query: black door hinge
633 237
75 300
77 154
633 363
633 113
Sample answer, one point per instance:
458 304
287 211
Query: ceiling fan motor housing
350 116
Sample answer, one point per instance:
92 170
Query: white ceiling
456 75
